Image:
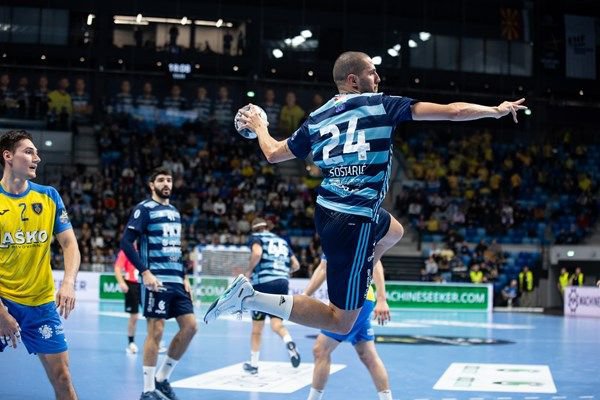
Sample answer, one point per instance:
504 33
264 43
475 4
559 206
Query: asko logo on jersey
23 238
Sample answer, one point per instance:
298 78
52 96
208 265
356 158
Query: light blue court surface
569 348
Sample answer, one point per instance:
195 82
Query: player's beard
159 193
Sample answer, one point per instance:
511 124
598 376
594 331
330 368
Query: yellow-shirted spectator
452 182
483 173
432 224
508 164
291 115
469 193
59 100
577 277
454 164
563 280
247 170
488 154
495 181
418 170
585 183
476 274
515 181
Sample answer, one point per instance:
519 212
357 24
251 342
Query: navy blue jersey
223 111
350 138
123 103
159 243
177 103
146 101
275 260
203 108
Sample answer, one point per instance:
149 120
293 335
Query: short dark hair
350 62
159 171
10 139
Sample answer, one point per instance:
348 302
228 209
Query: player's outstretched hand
382 312
65 299
10 332
511 107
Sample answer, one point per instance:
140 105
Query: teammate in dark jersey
166 292
271 262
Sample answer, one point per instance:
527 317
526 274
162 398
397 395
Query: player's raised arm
275 151
423 111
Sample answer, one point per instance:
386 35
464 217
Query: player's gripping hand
382 312
10 332
151 282
252 118
65 299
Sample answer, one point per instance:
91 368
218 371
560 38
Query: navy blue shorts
340 233
41 328
171 302
348 241
278 286
384 219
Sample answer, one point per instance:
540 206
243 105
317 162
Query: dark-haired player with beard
166 292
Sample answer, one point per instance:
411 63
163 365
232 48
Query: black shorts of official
132 298
171 302
348 241
279 286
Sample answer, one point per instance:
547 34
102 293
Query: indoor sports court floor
465 356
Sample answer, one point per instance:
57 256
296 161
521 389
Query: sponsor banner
582 301
507 378
580 39
274 377
109 288
467 297
93 286
86 284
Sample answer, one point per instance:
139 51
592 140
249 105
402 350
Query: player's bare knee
368 358
61 377
276 324
320 352
190 329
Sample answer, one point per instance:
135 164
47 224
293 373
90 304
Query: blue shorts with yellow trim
348 242
361 330
41 328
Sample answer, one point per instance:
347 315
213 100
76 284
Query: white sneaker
231 300
131 348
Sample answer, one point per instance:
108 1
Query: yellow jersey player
29 215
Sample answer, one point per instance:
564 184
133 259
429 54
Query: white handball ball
246 132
